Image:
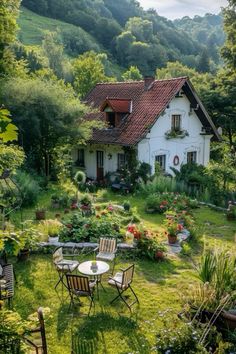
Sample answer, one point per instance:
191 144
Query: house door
100 165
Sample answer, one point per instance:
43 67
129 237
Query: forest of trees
126 32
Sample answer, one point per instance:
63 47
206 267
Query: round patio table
89 268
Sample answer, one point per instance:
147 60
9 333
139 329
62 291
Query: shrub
80 177
182 339
218 269
126 205
50 227
29 188
160 203
86 200
79 228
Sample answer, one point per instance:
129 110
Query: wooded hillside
127 33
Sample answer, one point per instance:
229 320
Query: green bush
80 177
29 188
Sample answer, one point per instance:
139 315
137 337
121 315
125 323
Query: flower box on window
172 134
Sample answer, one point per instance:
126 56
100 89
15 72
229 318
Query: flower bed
108 220
160 203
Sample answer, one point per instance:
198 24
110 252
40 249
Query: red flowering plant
138 231
161 202
172 227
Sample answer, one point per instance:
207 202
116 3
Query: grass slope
32 27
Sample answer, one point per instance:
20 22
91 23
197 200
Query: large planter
23 255
53 240
40 214
172 239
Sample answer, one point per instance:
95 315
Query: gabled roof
119 105
147 105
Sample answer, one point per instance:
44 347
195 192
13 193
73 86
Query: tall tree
229 49
11 157
88 71
8 14
204 62
132 74
47 114
53 50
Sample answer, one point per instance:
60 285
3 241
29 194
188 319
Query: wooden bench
7 286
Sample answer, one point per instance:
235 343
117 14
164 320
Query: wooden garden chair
79 286
63 265
37 337
7 281
107 250
122 281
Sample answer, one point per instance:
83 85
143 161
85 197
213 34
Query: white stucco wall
110 162
156 143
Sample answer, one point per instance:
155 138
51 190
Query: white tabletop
87 269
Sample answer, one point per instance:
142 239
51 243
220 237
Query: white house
163 120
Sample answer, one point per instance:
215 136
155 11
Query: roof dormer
116 109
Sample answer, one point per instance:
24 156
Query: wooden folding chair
107 250
79 286
122 281
63 265
37 337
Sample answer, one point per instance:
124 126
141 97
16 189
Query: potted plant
55 201
129 238
29 237
40 213
50 229
73 203
172 230
86 205
231 211
160 252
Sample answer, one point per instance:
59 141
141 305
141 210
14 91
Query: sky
173 9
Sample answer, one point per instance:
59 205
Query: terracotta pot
55 205
172 239
40 214
230 217
23 255
159 255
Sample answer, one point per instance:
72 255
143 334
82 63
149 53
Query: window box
173 134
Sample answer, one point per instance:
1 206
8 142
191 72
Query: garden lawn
111 328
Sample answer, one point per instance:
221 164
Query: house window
161 159
176 122
80 158
121 161
192 157
111 119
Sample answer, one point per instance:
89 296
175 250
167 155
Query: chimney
148 82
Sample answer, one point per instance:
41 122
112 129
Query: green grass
111 328
158 286
32 27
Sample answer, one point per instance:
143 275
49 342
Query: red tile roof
147 105
119 105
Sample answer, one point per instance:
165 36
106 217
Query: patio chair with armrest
63 265
37 337
107 250
122 281
79 286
